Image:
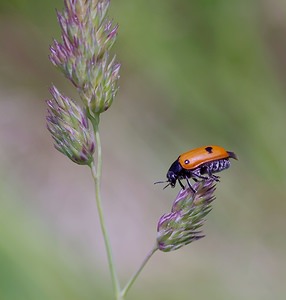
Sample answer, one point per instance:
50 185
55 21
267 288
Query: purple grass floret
83 54
180 227
68 124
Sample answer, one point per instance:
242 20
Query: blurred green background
193 73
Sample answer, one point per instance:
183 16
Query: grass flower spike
68 124
83 55
180 227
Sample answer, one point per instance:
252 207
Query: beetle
199 163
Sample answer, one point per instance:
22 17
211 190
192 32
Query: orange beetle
199 163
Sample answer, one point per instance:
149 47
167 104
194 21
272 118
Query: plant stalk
96 174
135 275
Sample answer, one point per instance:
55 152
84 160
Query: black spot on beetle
187 161
209 149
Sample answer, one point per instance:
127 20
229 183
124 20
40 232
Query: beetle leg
199 176
215 177
190 186
211 175
182 186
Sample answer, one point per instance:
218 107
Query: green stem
96 174
135 275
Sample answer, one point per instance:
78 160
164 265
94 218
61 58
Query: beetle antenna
160 182
163 182
166 185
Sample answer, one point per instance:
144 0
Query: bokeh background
193 73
